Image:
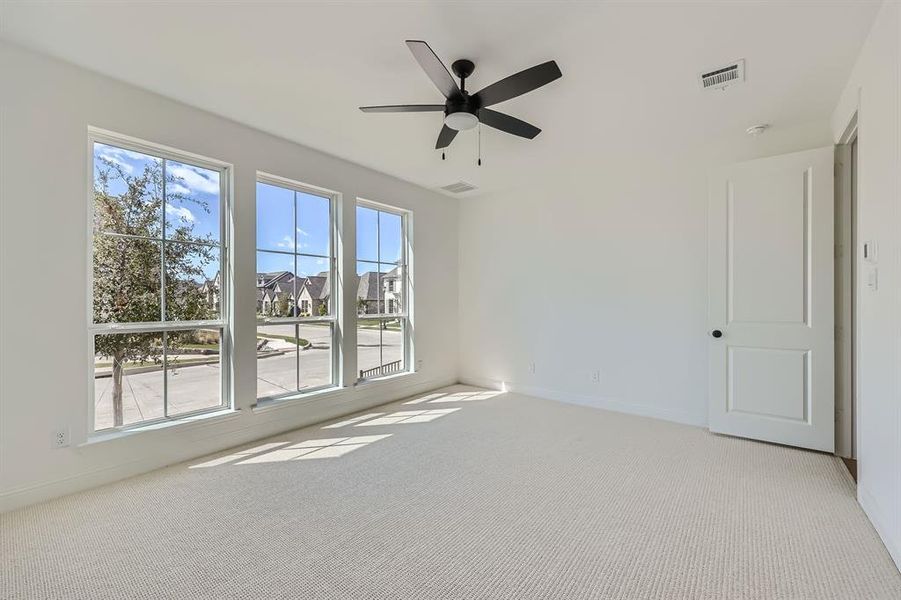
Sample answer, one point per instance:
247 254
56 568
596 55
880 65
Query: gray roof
315 284
326 287
274 276
369 286
281 283
285 286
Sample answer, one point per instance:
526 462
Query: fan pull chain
480 144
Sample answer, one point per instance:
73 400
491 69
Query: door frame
846 285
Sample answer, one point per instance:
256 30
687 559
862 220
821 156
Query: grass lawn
287 338
149 363
197 347
374 324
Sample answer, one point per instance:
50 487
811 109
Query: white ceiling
300 70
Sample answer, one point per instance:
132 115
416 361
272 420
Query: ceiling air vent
458 188
722 77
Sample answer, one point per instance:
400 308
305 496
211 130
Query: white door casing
770 293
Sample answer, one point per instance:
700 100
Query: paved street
197 387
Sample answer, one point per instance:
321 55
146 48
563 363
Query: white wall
602 267
47 107
875 90
599 269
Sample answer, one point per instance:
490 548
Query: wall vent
722 77
458 188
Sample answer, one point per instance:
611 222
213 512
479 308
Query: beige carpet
463 494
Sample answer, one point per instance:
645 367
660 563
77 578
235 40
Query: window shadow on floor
335 447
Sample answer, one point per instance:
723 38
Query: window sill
298 399
185 423
383 379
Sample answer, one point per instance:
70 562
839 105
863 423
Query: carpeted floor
463 494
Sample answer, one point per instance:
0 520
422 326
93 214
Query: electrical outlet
532 367
418 364
596 377
61 438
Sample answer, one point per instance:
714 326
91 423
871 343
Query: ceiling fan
463 110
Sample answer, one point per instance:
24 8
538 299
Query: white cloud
128 153
177 188
113 158
302 232
286 242
180 212
121 156
197 180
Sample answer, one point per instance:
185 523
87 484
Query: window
382 290
158 257
296 308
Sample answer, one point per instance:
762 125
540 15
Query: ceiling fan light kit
463 110
461 120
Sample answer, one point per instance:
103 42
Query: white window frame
405 287
223 323
334 289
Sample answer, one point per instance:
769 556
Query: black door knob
716 333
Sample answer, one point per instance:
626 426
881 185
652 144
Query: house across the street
282 294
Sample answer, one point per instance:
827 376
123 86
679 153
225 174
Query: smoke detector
719 78
757 129
458 188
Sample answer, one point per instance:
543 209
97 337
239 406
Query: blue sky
192 200
378 233
287 221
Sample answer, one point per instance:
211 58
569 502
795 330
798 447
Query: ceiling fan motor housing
462 112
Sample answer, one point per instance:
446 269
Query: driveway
197 387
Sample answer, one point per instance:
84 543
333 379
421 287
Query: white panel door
770 310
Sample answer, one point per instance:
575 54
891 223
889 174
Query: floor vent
458 188
722 77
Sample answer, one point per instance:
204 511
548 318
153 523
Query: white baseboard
215 438
612 404
881 523
483 382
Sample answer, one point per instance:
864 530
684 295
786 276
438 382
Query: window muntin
157 310
296 308
293 357
382 291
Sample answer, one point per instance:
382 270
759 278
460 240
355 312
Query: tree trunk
118 358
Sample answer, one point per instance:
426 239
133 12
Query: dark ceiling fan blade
520 83
402 108
434 68
445 138
506 123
